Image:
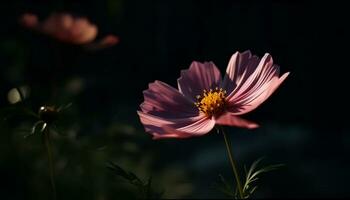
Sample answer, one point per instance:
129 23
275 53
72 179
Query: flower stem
50 159
233 164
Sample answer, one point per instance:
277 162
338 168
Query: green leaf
144 188
225 187
252 176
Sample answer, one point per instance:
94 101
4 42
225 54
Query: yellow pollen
211 102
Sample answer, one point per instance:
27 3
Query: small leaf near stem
252 176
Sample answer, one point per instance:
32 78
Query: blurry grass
80 162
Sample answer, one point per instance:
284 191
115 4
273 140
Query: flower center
211 102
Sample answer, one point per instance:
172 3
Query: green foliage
251 177
144 188
225 187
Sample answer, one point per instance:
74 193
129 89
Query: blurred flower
18 94
46 117
70 29
203 99
105 42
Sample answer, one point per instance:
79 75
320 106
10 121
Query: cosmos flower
69 29
203 99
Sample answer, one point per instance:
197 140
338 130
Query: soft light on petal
198 128
179 128
240 67
162 100
198 77
248 104
256 88
229 119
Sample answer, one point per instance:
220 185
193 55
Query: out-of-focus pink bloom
66 28
105 42
29 20
203 99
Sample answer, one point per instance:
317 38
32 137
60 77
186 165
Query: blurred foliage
145 189
115 7
79 162
14 56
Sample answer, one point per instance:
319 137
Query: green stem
50 159
233 164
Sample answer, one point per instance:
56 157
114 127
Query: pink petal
86 35
165 101
257 97
82 31
29 20
240 67
198 77
253 91
198 128
230 119
107 41
52 25
263 70
176 128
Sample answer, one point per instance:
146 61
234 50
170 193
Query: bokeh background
301 123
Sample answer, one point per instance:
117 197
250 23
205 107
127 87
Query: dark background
302 123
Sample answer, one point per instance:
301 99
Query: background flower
68 28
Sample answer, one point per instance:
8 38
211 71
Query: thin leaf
119 171
35 126
144 188
252 176
225 187
43 127
64 107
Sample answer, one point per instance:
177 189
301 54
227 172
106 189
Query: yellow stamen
211 102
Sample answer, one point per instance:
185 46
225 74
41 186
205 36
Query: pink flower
203 99
69 29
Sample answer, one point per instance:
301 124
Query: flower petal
240 67
256 97
198 77
107 41
176 128
29 20
82 32
230 119
199 128
165 101
264 69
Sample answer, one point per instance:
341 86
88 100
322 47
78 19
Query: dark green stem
50 159
233 164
